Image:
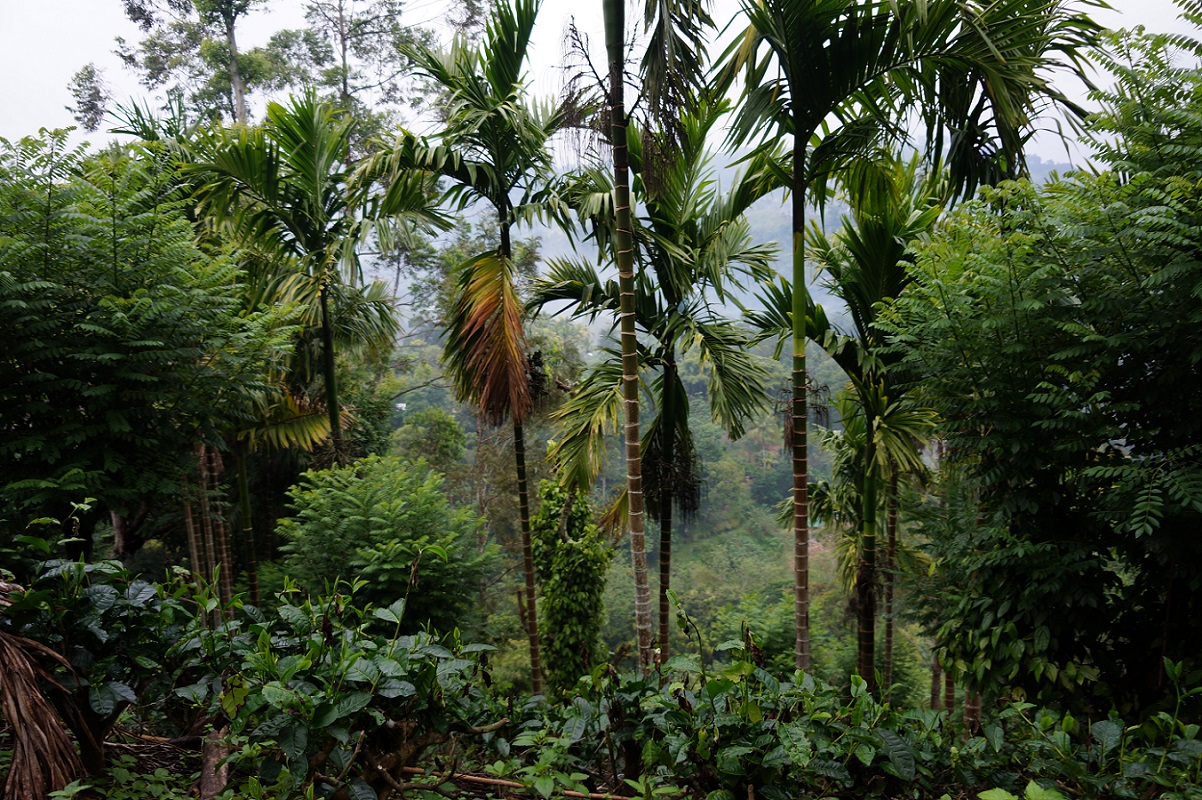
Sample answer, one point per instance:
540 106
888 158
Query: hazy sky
43 43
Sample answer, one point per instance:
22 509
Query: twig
489 728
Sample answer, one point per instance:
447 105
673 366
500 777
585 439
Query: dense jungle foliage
318 473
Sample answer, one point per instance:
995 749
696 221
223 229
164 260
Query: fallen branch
511 784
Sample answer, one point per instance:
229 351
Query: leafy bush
113 632
386 522
314 698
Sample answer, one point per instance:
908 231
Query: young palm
494 148
840 76
866 265
691 243
285 187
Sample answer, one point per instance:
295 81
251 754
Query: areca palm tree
691 244
287 188
673 69
852 501
840 76
865 264
494 148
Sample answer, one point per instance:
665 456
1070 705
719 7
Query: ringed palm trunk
890 567
615 31
666 495
221 534
519 456
248 528
866 570
801 506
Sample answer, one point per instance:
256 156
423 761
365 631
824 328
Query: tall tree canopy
1059 332
125 340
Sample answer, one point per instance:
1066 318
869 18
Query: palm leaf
485 350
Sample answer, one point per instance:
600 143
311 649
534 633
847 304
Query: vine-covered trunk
519 457
801 504
615 32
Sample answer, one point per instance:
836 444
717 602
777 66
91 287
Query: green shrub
386 522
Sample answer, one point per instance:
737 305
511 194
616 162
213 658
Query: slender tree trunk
248 528
666 497
949 694
237 84
519 455
890 567
936 681
221 535
331 378
866 571
972 712
214 770
343 47
196 550
206 524
801 500
615 33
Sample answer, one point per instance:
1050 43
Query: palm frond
593 409
485 349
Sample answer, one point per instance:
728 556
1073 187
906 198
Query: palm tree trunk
936 681
206 524
196 550
801 504
949 695
519 456
890 567
225 583
327 358
972 712
866 571
668 458
615 33
248 528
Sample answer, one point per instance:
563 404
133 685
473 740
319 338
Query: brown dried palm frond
44 757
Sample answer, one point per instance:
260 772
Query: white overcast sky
43 43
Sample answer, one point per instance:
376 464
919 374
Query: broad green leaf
1036 792
996 794
901 757
358 790
1107 733
293 740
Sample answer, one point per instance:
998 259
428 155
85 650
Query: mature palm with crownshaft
285 187
493 148
691 243
673 69
839 76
